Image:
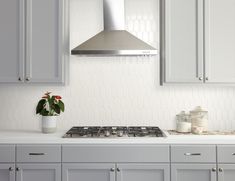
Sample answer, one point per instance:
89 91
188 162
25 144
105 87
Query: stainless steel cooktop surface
113 132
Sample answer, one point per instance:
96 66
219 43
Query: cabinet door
143 172
38 172
182 48
220 41
44 36
226 172
193 172
7 172
88 172
11 40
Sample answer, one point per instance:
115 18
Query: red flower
58 97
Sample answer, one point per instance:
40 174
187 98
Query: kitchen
119 90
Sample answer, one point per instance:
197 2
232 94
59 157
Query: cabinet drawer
115 153
193 154
226 154
38 153
7 153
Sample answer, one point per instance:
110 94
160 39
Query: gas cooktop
113 132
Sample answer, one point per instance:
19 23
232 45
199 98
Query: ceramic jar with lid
183 124
199 118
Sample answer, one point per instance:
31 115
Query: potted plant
50 106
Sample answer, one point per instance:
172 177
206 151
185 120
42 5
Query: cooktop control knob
107 133
120 133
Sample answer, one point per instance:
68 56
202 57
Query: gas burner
113 132
145 132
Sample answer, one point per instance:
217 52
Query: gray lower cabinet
38 172
7 172
118 172
88 172
193 172
140 172
226 172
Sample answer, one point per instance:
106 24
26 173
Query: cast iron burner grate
113 131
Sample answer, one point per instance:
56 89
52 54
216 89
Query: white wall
117 90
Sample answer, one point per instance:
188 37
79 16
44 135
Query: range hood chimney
114 40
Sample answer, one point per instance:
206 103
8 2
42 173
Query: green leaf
61 105
57 108
40 106
44 112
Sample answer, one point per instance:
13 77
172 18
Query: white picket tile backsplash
117 90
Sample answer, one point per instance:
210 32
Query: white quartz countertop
36 137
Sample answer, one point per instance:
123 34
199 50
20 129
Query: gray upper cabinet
193 172
88 172
7 172
182 47
38 172
33 41
44 41
140 172
198 41
220 41
11 40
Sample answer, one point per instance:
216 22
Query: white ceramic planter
49 124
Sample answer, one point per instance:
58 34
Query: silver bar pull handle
192 154
36 154
233 154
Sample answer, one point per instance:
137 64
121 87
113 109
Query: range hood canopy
114 40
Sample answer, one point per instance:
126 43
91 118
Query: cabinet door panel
7 172
44 41
88 172
11 40
140 172
220 41
227 173
183 55
38 172
195 172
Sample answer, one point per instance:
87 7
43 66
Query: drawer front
7 153
193 154
115 153
38 153
226 154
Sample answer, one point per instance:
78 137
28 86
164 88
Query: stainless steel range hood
114 40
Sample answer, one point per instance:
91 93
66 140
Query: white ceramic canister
183 127
199 118
49 124
183 124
